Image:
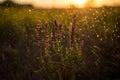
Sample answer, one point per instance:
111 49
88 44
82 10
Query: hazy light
68 3
1 1
99 3
51 3
24 1
79 3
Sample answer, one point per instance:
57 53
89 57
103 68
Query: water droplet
29 10
98 35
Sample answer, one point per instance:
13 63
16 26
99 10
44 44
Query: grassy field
60 44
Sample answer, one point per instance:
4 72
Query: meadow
59 44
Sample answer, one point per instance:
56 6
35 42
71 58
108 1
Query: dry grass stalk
46 39
38 34
60 32
73 31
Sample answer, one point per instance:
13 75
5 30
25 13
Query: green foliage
59 44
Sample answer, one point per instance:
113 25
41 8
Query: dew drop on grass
29 10
101 39
98 35
118 36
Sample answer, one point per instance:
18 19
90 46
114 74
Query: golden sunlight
79 3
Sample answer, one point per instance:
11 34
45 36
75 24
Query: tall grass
59 44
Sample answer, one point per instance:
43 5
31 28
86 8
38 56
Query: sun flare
79 3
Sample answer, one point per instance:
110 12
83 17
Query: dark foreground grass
60 44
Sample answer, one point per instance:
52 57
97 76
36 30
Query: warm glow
67 3
79 3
